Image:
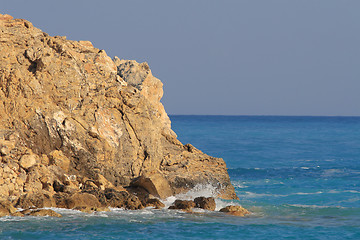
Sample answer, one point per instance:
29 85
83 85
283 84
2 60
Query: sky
240 57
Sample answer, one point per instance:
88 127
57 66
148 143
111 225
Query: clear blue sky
224 57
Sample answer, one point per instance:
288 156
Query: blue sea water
298 175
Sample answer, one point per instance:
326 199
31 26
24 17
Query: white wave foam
260 195
351 191
200 190
345 191
314 206
303 193
238 185
255 195
11 219
220 203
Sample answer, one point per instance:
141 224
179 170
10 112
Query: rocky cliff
73 119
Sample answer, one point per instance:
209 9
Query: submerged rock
235 210
73 120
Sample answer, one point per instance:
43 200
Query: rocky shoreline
37 205
80 130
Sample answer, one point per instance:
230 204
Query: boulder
27 161
154 202
82 200
122 200
186 205
205 203
99 194
38 200
155 184
60 199
235 210
6 147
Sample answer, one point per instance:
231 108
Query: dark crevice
32 67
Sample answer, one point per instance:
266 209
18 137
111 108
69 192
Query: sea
299 176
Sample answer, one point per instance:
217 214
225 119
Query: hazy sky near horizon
224 57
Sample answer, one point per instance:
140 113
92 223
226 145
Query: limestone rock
28 161
186 205
102 209
44 212
122 200
5 17
6 208
155 184
17 214
59 159
67 108
85 209
205 203
92 209
38 200
61 199
235 210
82 200
6 147
102 182
154 202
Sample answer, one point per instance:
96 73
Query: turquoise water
298 175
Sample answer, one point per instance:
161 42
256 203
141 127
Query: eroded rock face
68 112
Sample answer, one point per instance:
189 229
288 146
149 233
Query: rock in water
235 210
68 112
186 205
45 212
207 203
